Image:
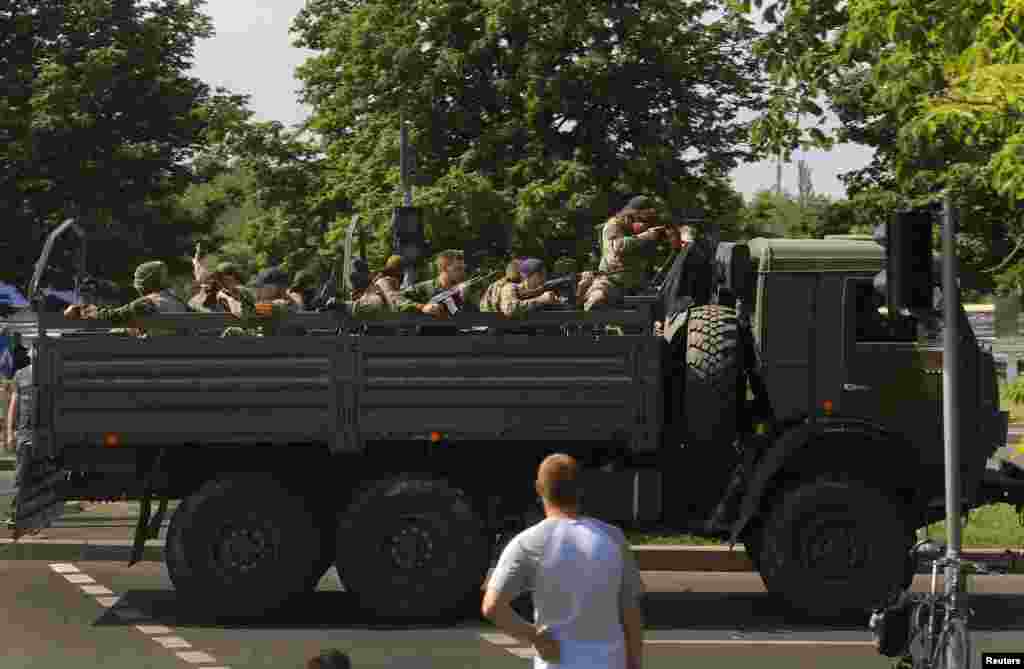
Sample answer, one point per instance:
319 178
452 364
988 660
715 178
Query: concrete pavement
101 614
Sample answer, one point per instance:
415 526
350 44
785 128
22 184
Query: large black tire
413 550
832 547
714 360
241 546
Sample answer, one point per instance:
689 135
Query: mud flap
145 529
40 498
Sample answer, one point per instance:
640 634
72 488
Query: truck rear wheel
713 365
412 549
241 546
831 547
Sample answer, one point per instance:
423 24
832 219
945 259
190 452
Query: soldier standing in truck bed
451 271
627 239
513 301
152 282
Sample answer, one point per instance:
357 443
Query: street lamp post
951 417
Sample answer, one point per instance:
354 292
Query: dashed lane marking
79 578
171 641
161 634
197 657
153 629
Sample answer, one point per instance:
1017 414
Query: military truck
781 409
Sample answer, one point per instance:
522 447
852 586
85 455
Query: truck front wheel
241 546
831 547
412 549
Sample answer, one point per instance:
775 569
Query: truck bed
345 390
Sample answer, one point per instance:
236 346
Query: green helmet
229 269
151 276
304 280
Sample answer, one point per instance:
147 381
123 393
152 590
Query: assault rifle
452 297
328 291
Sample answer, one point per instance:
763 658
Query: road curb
82 551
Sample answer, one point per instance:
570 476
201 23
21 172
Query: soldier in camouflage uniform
451 266
492 296
512 302
270 292
221 291
151 280
302 289
382 295
626 240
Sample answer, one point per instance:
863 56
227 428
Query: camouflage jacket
420 293
513 306
492 296
624 253
381 297
162 302
200 301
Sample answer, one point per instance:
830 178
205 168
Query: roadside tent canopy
11 296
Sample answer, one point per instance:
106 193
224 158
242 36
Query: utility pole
951 417
405 158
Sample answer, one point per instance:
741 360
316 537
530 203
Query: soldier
625 239
221 291
451 266
382 294
270 292
301 292
513 301
151 280
489 302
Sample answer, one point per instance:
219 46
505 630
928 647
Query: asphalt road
103 614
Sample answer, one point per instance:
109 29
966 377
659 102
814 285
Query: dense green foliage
541 115
99 119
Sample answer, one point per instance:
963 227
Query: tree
98 119
546 115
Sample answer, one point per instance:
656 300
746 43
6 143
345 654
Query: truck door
888 377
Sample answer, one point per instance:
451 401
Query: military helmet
393 265
272 277
228 269
151 276
304 280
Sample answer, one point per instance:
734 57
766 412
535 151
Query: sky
252 53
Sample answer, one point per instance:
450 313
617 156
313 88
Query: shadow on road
662 610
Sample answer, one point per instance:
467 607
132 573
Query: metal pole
408 274
950 412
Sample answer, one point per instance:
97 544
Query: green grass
993 526
1016 410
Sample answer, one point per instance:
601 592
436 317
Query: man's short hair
330 659
446 258
557 480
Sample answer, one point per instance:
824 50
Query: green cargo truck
782 410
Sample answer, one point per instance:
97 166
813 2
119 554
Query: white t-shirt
582 573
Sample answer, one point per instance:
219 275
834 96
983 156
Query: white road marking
171 641
754 642
499 639
79 578
153 629
525 653
126 613
196 657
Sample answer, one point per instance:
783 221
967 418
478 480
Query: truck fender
895 450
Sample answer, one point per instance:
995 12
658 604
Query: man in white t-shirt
585 582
